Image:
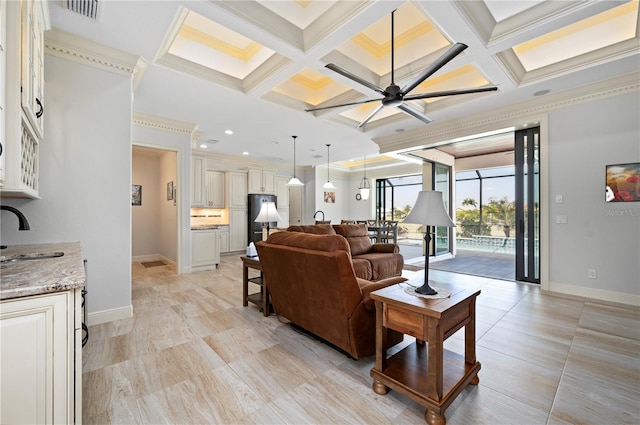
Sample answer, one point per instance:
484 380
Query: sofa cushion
357 235
383 265
310 241
362 268
318 229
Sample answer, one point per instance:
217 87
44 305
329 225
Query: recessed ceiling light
228 132
541 92
399 130
203 146
245 153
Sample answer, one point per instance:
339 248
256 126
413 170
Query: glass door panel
527 154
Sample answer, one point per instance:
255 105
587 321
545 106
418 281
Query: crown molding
161 123
72 47
507 116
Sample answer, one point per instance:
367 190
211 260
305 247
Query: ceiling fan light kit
394 96
294 180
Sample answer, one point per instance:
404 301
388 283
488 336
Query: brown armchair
312 283
371 261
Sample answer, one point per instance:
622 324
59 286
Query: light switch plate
558 199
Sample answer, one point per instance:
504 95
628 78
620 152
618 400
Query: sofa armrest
385 247
367 287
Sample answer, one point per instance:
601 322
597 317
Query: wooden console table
426 373
261 299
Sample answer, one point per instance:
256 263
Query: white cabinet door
37 361
237 190
33 63
238 230
224 240
3 56
262 182
282 192
205 248
198 184
215 189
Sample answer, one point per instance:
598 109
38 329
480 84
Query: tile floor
193 354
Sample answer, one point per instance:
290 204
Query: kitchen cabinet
237 190
262 182
282 193
22 95
238 230
41 355
3 44
205 249
214 189
198 183
224 238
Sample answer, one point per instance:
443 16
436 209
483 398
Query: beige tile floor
193 354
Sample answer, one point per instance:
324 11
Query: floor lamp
268 213
428 210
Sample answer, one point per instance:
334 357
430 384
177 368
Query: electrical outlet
592 274
561 219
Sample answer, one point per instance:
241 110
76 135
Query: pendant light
294 180
328 184
365 186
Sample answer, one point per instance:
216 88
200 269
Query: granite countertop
205 227
37 275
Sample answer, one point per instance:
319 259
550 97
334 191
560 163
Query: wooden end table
426 373
261 299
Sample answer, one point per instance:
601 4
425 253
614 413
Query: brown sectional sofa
312 283
370 261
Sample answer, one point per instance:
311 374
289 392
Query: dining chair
389 232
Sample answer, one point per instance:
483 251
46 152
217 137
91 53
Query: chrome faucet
316 213
23 223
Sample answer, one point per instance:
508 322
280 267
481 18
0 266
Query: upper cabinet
22 95
33 63
198 184
237 190
215 189
262 182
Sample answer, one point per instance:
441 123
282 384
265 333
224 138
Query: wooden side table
426 373
261 299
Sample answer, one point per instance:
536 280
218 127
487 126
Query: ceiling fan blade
415 113
322 108
454 51
355 78
450 93
366 120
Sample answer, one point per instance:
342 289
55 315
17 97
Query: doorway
154 215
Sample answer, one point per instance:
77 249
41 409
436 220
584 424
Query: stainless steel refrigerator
254 232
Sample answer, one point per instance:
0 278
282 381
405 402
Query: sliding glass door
527 179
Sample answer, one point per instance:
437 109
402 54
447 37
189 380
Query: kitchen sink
33 256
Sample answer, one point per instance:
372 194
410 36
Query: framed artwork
136 194
622 182
330 197
170 191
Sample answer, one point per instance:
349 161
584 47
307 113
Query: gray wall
583 139
85 177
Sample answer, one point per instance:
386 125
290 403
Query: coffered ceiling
255 66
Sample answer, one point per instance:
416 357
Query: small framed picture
330 197
623 182
136 194
170 191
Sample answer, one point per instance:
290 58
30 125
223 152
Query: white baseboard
595 294
105 316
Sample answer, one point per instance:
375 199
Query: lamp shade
429 210
294 182
268 213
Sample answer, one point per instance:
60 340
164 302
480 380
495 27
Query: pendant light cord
328 162
294 156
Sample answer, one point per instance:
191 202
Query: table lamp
428 210
268 213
